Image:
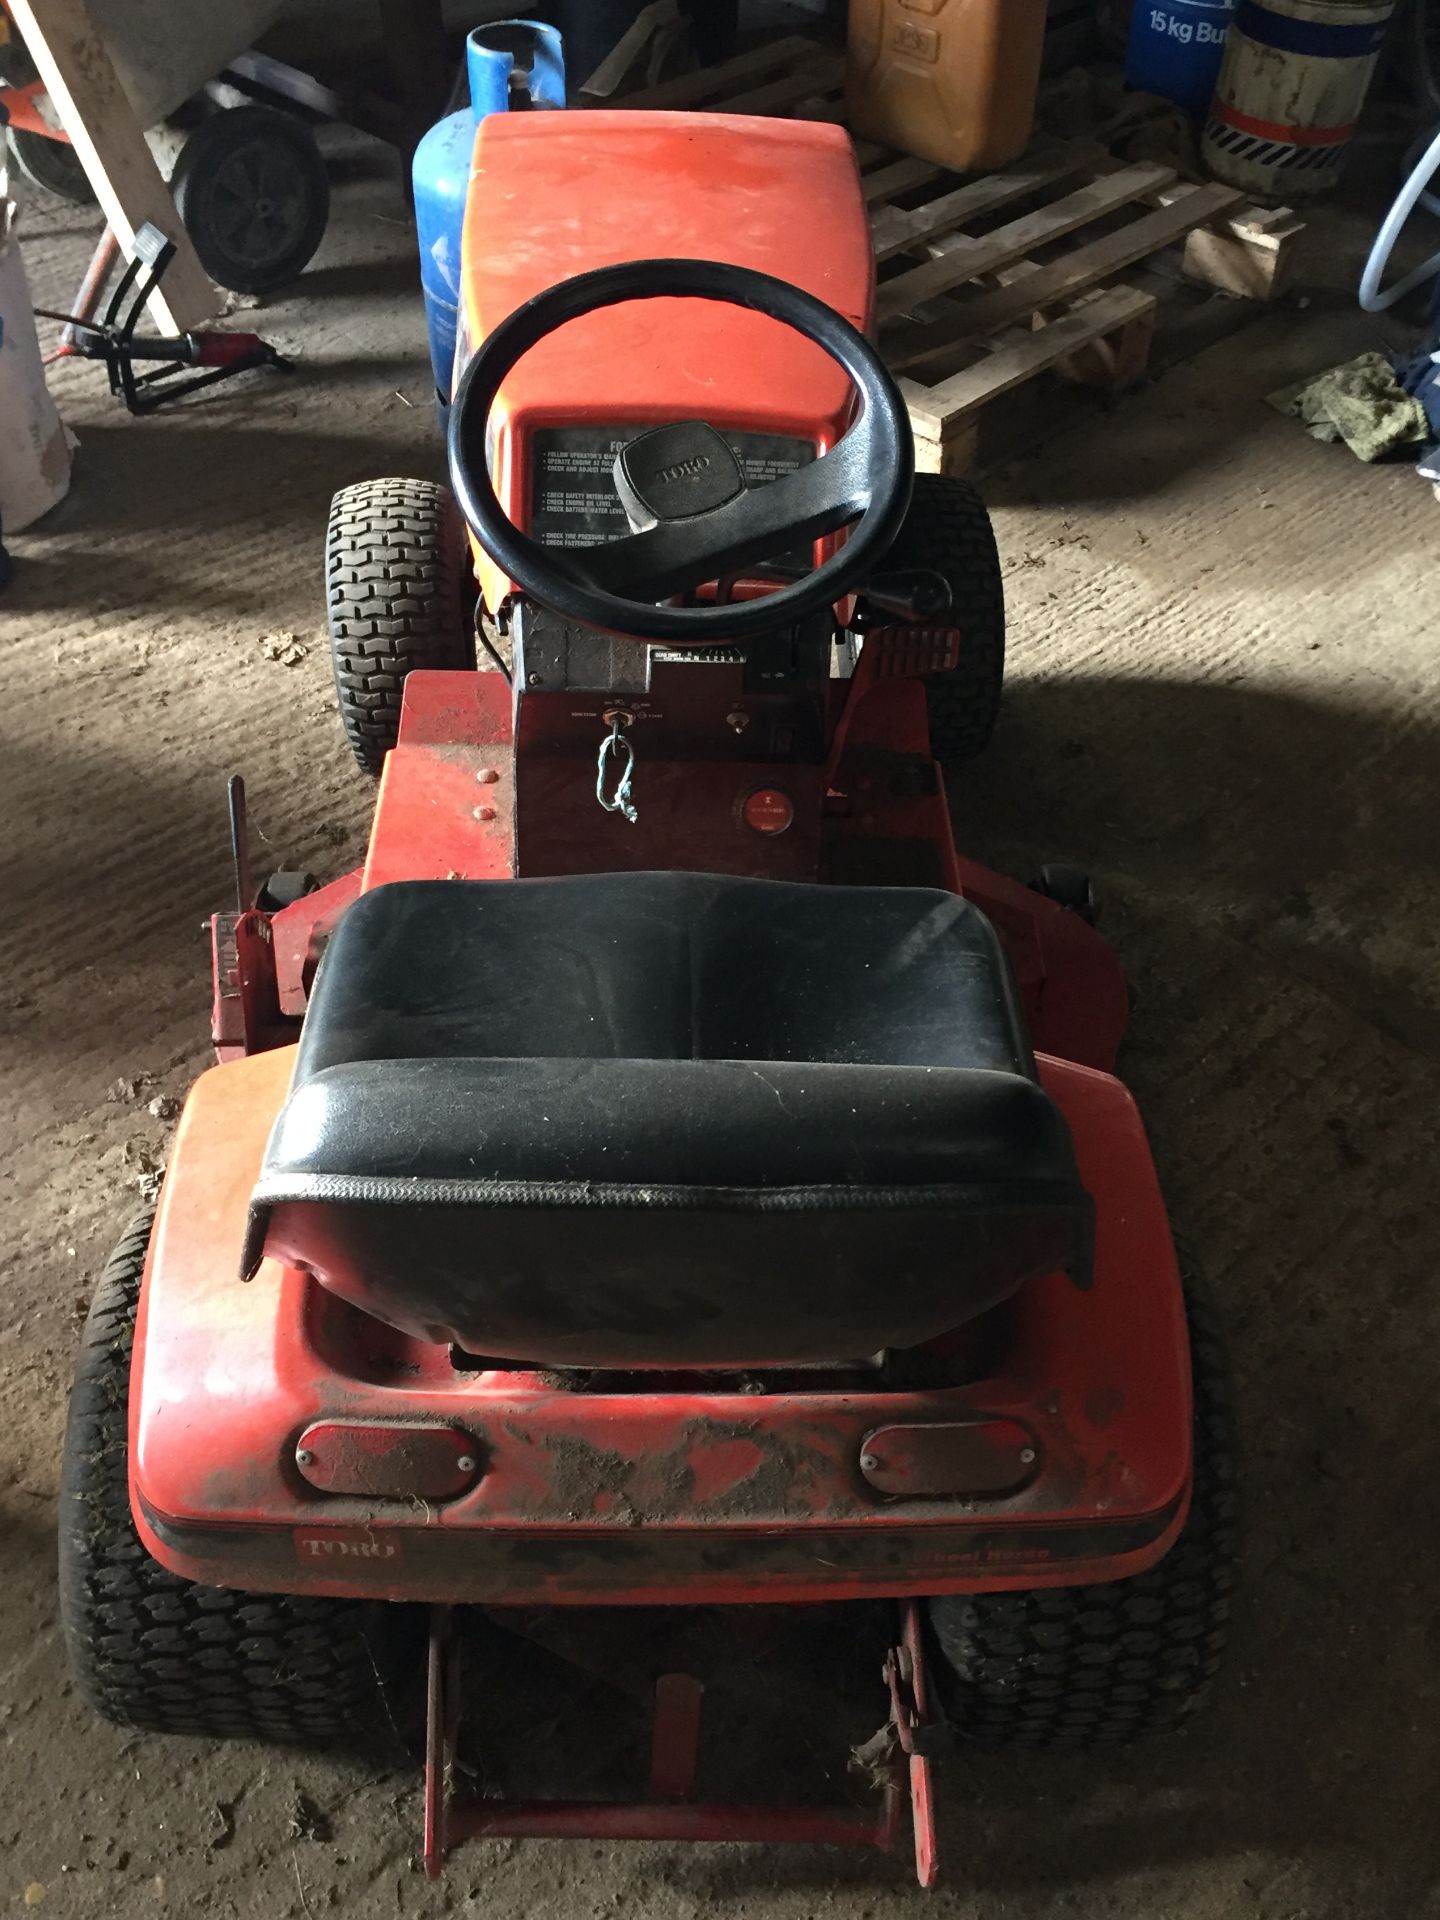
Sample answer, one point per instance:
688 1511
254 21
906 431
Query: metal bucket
1291 87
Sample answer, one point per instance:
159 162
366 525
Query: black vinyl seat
668 1119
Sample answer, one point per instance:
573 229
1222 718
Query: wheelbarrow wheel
1088 1666
166 1655
250 185
399 594
52 165
947 531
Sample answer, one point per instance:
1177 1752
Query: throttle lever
918 594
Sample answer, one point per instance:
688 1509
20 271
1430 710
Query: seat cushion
668 1120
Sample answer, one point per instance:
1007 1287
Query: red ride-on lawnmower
684 1182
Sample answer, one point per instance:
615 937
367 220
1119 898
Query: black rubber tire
152 1651
400 594
1070 887
1106 1664
948 531
251 186
52 165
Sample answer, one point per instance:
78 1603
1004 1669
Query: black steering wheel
693 517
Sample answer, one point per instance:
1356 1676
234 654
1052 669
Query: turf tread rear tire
400 594
1106 1664
162 1654
947 530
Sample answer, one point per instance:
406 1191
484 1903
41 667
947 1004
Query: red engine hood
556 194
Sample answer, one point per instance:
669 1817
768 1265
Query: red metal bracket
300 932
675 1745
920 1734
245 1015
442 1724
671 1813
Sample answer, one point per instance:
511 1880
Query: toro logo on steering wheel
685 469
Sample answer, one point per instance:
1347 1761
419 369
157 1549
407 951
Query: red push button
767 810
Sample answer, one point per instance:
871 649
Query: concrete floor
1223 700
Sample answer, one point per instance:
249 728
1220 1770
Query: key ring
616 742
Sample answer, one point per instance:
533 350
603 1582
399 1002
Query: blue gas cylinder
1175 48
496 58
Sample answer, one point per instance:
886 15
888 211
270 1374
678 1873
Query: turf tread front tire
162 1654
399 594
1106 1664
947 531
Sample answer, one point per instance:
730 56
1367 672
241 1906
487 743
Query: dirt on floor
1223 701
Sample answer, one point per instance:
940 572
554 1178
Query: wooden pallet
987 282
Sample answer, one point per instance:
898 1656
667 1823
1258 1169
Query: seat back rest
665 966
